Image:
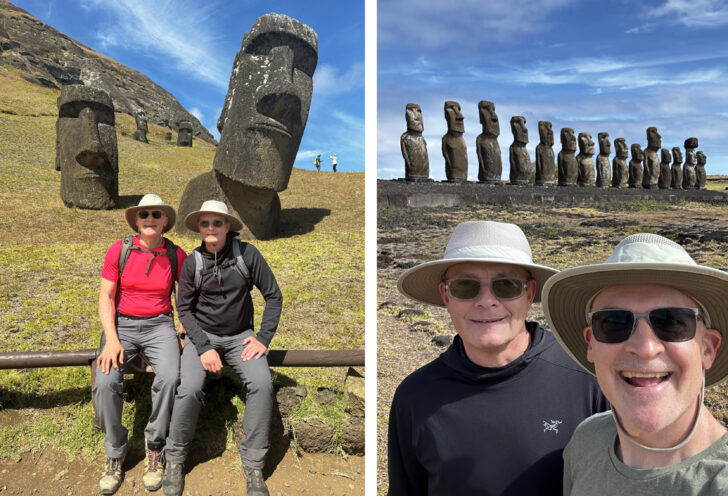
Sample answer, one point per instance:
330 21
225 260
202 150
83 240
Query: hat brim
192 220
421 282
566 295
168 210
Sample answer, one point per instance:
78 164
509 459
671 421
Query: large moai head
519 130
701 158
488 118
454 118
586 144
267 103
605 147
568 139
184 135
677 156
545 133
637 153
620 148
86 148
413 114
654 140
665 156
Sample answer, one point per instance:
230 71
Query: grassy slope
51 258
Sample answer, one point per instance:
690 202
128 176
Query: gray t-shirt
591 467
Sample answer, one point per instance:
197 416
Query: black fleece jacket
223 306
456 428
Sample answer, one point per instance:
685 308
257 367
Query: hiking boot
112 476
255 483
153 470
173 481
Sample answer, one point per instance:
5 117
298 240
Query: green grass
51 259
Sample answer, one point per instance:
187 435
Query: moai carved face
488 118
86 144
620 148
586 144
413 114
701 158
519 130
545 133
605 147
665 156
568 139
267 103
677 155
654 140
455 120
637 153
185 132
141 120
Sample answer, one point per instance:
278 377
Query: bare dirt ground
48 473
560 238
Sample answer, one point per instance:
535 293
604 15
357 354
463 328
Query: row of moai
644 170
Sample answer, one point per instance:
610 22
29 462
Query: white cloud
328 79
197 113
688 13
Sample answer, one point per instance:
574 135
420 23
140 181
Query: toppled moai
184 134
620 171
414 146
520 161
604 169
651 168
545 164
142 126
635 166
691 161
86 148
585 159
490 166
261 124
676 169
700 176
568 168
665 175
454 149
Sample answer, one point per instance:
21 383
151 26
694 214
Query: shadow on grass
296 221
14 399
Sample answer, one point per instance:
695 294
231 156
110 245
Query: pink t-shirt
142 295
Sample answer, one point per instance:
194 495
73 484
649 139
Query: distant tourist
334 161
317 163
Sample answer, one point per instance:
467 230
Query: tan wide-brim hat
639 259
474 241
212 207
151 201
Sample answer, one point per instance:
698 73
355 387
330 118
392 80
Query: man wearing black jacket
216 310
492 414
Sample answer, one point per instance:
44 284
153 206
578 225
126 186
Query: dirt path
48 473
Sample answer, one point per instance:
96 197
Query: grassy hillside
51 258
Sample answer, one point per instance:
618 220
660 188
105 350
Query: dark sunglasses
506 288
670 324
215 223
143 214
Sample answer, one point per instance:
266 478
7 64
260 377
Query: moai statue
414 146
651 169
521 167
545 164
142 127
585 159
86 148
665 176
620 174
604 170
261 124
168 136
700 176
691 161
454 148
676 169
635 166
184 135
490 166
568 168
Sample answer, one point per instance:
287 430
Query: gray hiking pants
255 375
156 338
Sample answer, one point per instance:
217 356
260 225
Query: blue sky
188 48
618 66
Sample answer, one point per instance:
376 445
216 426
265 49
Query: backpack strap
238 249
171 250
126 244
199 264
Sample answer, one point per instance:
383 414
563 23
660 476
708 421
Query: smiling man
649 323
493 413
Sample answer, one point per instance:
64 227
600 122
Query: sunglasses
670 324
143 214
215 223
506 288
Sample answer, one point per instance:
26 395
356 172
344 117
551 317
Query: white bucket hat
147 202
212 207
638 259
475 241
